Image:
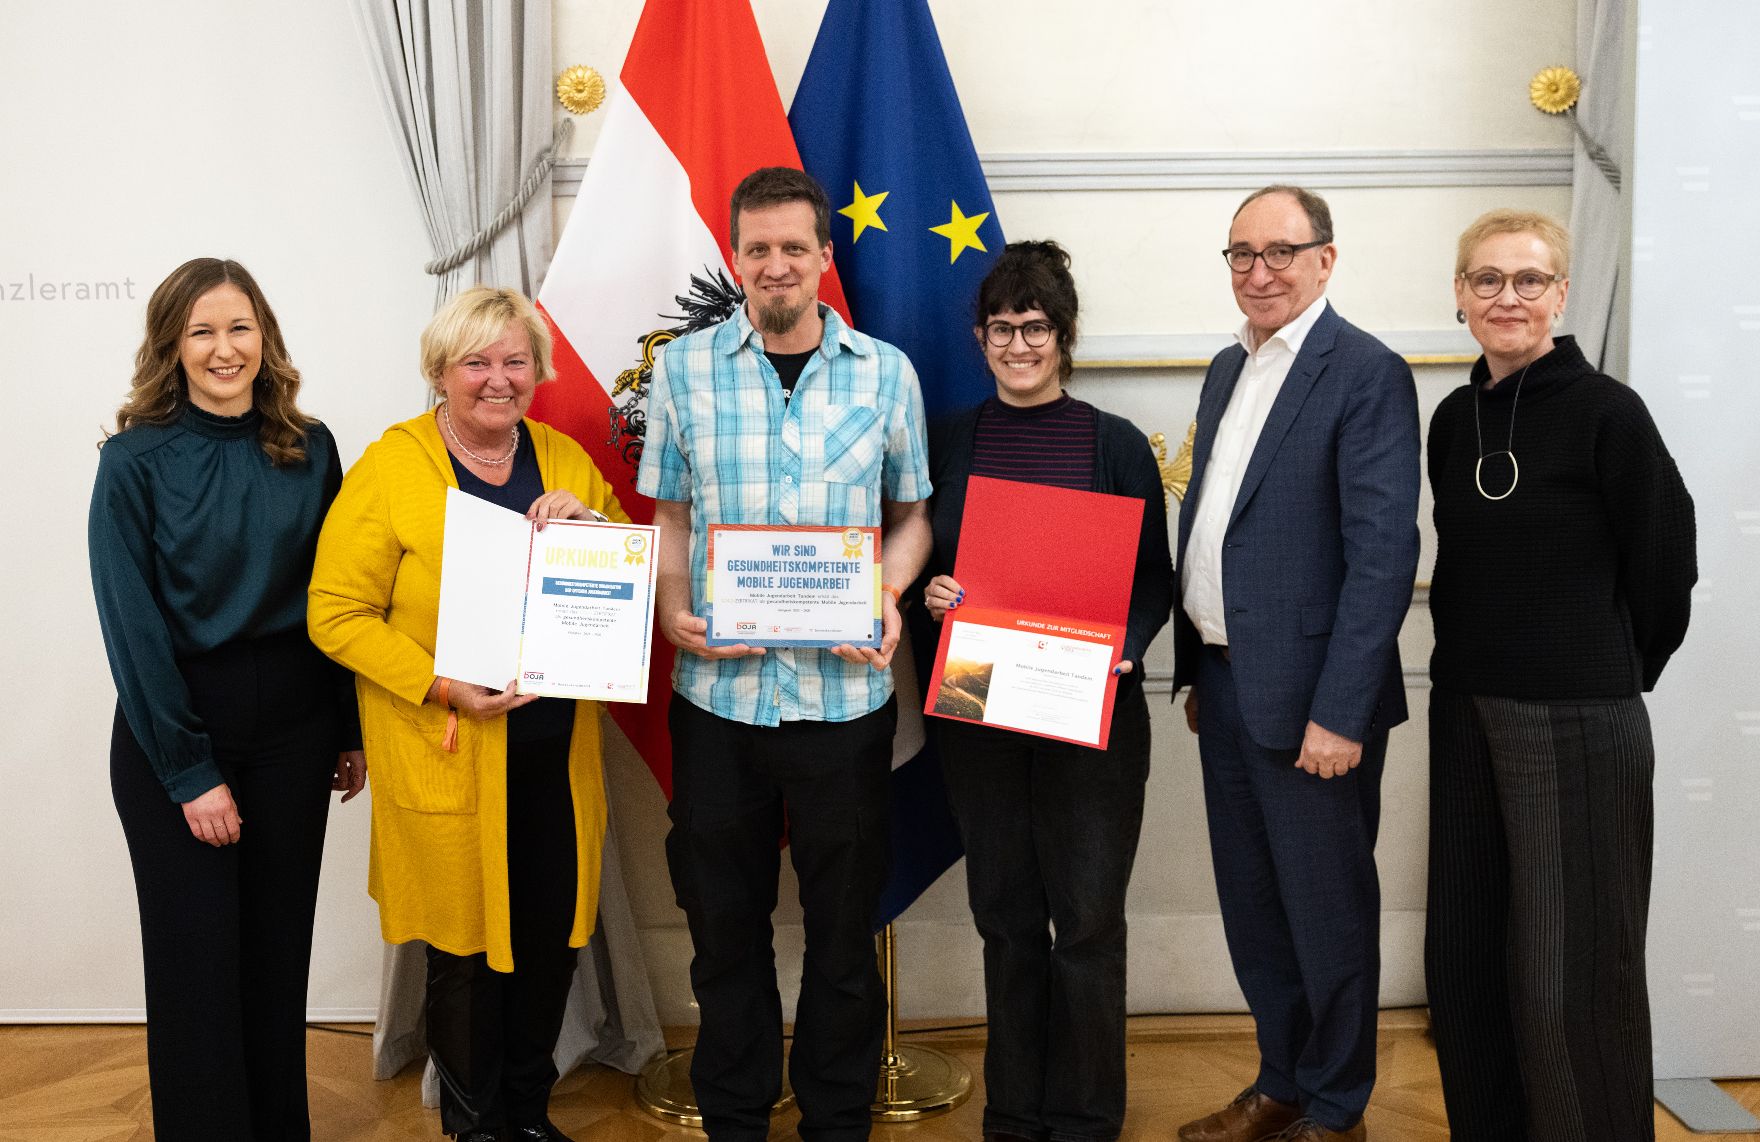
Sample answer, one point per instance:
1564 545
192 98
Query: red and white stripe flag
646 250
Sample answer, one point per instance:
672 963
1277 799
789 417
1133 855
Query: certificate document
793 586
1047 576
567 611
1041 675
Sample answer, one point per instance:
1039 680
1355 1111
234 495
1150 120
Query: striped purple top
1051 443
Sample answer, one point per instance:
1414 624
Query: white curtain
1600 213
466 86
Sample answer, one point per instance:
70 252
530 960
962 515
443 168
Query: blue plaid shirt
722 436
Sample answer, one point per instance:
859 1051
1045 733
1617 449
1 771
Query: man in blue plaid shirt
782 415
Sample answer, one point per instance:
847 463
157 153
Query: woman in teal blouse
230 728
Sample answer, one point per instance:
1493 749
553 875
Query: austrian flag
644 257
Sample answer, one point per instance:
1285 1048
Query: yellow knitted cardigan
438 867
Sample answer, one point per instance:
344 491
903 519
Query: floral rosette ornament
1554 90
580 89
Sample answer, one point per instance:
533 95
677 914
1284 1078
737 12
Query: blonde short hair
476 319
1542 226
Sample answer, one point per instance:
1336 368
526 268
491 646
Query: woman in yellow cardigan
488 807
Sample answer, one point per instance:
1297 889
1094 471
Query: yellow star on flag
865 211
961 233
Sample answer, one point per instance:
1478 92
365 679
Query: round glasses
1529 284
1000 334
1277 256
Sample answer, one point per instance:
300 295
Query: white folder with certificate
567 611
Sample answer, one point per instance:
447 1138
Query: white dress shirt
1261 379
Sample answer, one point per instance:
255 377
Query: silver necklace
1478 433
446 415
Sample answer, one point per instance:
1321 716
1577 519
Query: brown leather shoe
1307 1130
1251 1117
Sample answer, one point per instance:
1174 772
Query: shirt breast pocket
852 445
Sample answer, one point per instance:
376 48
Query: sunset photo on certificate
964 687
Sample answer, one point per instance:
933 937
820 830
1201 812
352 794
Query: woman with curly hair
230 729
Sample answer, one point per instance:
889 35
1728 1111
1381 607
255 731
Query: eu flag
913 231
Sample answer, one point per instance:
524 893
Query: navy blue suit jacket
1322 544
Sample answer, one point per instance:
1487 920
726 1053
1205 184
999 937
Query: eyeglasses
1530 284
1036 333
1277 256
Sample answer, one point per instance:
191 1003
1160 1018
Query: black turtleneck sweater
1574 587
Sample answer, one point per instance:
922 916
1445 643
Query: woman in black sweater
1050 828
1565 557
230 729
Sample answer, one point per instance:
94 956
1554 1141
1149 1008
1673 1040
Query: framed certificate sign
793 586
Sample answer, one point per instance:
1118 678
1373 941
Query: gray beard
778 317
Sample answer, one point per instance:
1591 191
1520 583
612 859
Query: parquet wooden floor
89 1084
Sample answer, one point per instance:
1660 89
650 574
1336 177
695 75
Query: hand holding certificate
1033 648
567 610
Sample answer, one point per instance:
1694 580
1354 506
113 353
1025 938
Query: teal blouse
196 540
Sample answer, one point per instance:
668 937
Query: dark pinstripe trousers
1540 844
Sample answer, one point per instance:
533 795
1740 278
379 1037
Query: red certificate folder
1040 551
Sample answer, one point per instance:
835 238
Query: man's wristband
897 596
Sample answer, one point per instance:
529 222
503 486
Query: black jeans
1050 832
226 933
734 786
492 1035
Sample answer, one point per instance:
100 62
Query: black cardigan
1575 587
1123 466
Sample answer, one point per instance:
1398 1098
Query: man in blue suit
1298 543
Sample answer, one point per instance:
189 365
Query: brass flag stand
915 1082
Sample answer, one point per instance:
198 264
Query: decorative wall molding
1449 346
1243 170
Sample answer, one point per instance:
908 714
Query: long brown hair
160 386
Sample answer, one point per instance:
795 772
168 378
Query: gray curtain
466 88
1600 214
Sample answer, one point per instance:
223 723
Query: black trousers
1050 831
226 933
492 1035
734 785
1294 856
1540 848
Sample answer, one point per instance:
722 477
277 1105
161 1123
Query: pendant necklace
446 415
1479 434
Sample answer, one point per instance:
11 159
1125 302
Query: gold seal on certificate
793 586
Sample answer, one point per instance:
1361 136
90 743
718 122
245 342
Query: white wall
137 136
140 135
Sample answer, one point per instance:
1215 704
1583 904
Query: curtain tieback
539 172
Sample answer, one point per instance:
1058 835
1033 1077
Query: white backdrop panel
1695 338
